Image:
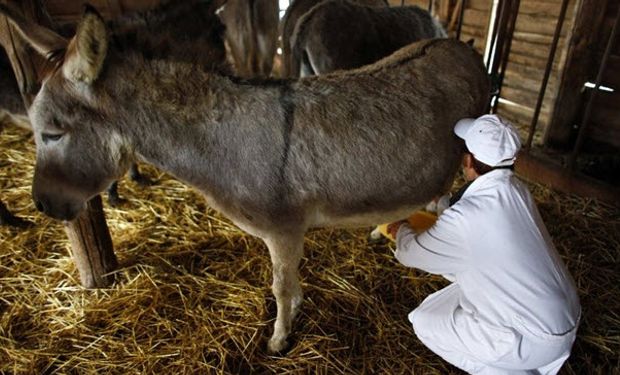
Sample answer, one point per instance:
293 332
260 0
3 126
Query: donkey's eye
50 137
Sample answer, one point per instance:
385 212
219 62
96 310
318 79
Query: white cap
490 139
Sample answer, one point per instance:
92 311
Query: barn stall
190 288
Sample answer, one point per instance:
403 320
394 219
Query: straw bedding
193 292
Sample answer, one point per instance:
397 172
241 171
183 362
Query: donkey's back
378 141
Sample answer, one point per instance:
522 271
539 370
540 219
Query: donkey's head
78 153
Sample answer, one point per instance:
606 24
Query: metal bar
494 33
495 52
505 48
543 86
599 78
460 24
430 6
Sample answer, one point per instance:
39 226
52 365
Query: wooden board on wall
534 29
69 11
590 36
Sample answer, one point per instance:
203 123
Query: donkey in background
277 157
287 27
365 35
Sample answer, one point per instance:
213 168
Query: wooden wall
475 18
69 11
534 29
605 121
530 47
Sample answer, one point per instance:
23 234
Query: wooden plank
538 24
534 50
473 17
142 5
539 8
477 32
443 9
534 38
608 99
611 78
484 5
522 115
523 97
579 66
536 62
557 178
529 83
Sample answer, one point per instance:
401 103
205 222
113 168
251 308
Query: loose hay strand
192 294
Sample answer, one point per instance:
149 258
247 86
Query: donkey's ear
88 48
44 41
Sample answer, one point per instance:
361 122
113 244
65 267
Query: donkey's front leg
286 251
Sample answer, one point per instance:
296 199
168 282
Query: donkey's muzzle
57 210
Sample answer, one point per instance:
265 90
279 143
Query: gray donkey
293 13
364 35
187 31
276 157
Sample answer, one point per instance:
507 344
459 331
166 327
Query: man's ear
88 48
468 160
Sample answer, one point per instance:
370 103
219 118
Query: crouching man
512 306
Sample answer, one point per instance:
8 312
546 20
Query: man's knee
420 320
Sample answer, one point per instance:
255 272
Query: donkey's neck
195 125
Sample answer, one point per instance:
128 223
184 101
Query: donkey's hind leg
139 178
114 199
286 252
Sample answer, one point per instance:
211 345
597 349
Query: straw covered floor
193 291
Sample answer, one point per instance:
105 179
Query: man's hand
393 228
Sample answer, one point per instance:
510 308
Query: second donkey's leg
286 252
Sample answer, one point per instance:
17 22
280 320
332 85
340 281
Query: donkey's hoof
142 180
8 219
116 201
375 234
277 345
17 222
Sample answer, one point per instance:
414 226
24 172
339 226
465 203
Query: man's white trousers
482 348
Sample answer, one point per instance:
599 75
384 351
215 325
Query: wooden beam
558 178
579 65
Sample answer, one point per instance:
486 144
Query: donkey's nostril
39 205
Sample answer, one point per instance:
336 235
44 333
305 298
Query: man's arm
442 249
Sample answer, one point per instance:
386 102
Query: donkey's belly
324 218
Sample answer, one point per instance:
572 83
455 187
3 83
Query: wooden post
90 239
91 245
